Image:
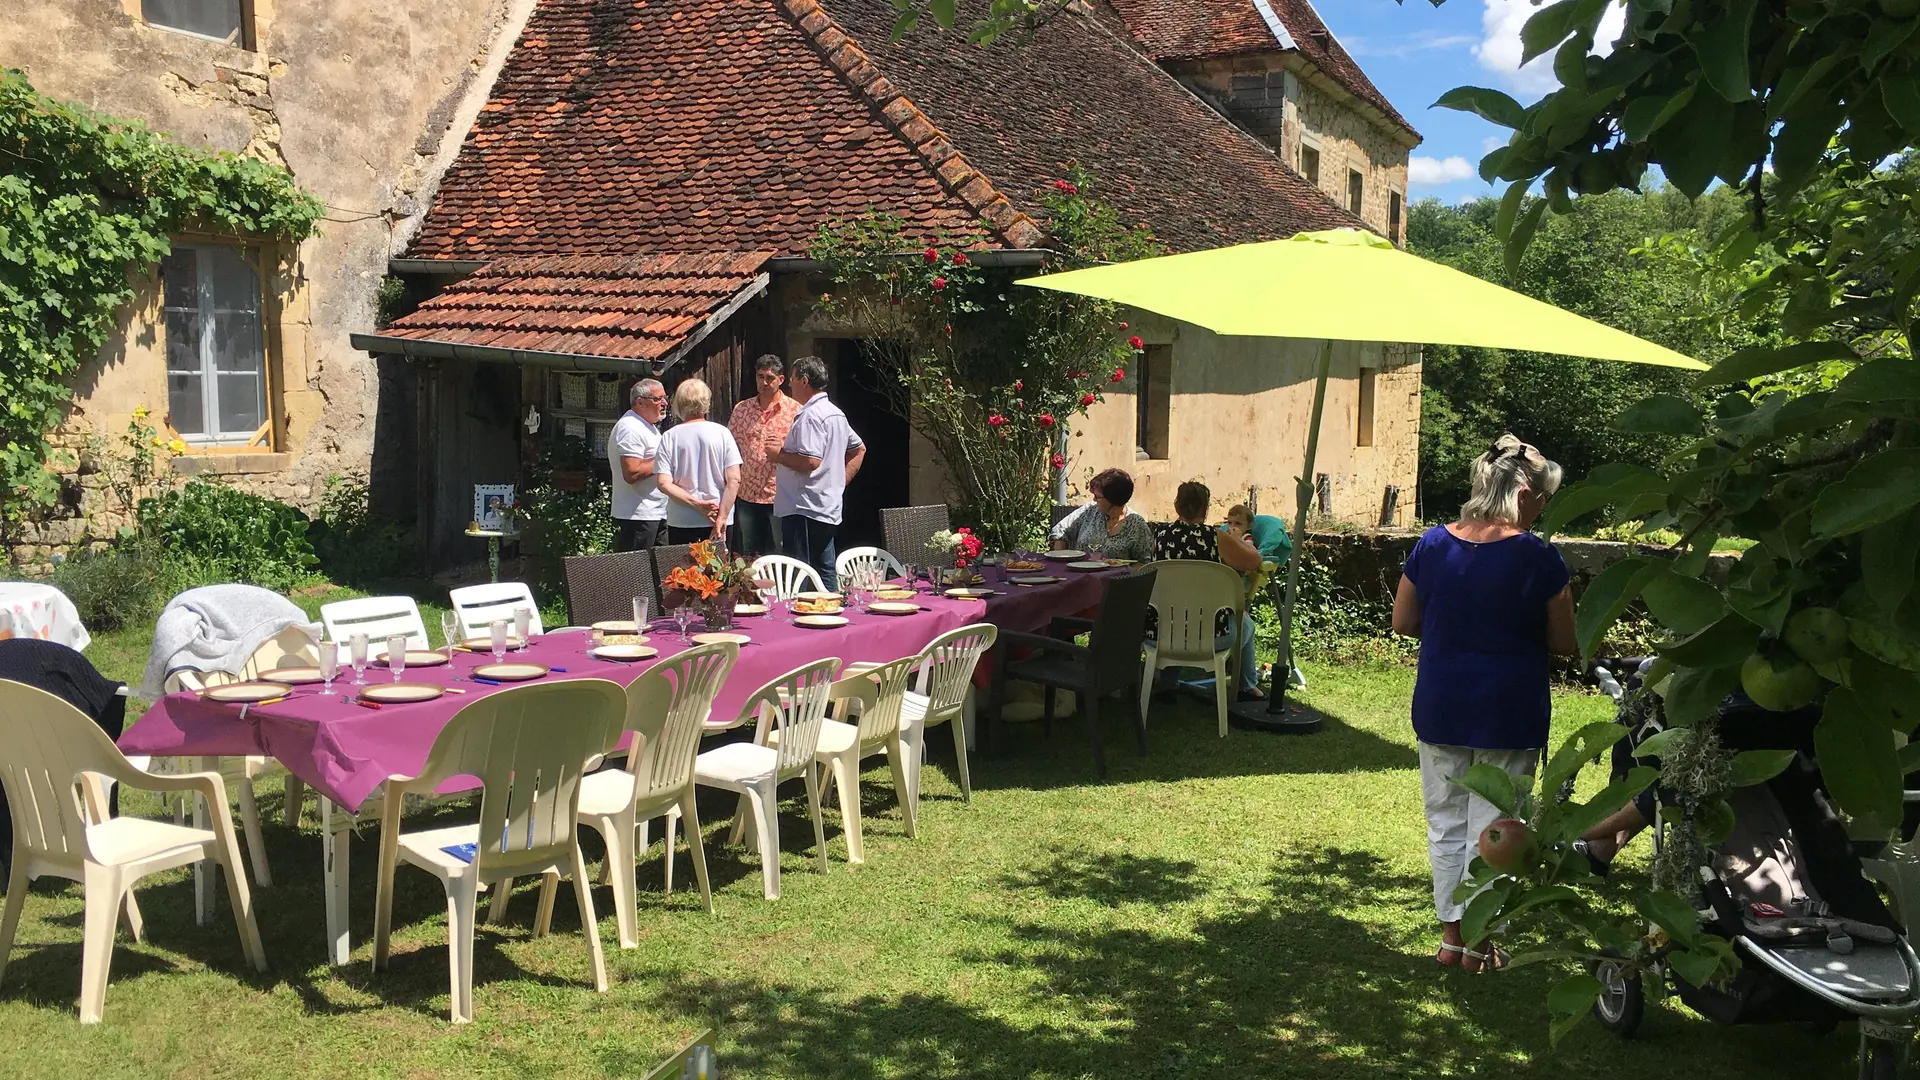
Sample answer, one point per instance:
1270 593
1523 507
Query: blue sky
1414 52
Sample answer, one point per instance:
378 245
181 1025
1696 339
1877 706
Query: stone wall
1281 99
364 103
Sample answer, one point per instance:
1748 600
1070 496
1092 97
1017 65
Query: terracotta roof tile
625 307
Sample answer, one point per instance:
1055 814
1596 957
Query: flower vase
718 612
960 576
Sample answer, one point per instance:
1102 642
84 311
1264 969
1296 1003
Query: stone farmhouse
563 195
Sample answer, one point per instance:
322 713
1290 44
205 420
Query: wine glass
522 627
329 665
450 628
642 607
357 654
792 604
683 618
497 639
397 655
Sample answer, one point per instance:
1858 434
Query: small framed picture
491 503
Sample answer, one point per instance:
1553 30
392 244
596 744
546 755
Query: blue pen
556 669
489 682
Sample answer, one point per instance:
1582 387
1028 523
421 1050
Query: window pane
180 278
240 400
240 391
211 18
184 403
235 286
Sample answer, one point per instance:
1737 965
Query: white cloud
1404 46
1428 171
1499 50
1491 143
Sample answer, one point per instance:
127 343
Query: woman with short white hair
1489 602
698 468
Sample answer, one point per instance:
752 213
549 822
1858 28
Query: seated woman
1065 527
1105 527
1192 538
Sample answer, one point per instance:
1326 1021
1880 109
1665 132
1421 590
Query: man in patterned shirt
760 425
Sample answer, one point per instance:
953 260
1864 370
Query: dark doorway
884 477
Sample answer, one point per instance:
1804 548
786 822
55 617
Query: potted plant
962 547
716 581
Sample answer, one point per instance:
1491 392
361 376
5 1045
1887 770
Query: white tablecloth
29 609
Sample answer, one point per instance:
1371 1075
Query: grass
1257 906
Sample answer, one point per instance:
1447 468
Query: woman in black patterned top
1192 538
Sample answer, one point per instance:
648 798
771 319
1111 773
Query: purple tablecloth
345 752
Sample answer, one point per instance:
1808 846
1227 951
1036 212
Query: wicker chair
1061 510
908 528
666 558
601 588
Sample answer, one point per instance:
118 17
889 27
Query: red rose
1045 420
965 530
939 283
1059 461
949 334
1133 341
1066 186
959 258
1123 326
1085 400
1119 375
1019 384
996 420
931 255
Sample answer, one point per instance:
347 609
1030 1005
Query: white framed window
216 352
217 20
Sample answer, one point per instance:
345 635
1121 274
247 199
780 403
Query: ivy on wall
85 202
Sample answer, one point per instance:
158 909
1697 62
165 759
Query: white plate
420 658
820 622
246 693
293 676
749 609
888 607
512 671
894 594
969 594
625 652
719 637
402 692
1033 580
1064 553
617 626
485 643
1087 565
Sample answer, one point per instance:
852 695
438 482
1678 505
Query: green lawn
1257 906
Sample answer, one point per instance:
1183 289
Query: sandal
1494 959
1445 948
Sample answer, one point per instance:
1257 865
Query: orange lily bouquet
714 574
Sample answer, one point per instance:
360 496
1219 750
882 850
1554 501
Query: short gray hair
692 398
643 388
1501 474
813 369
769 362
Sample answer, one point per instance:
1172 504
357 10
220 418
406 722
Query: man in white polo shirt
639 506
821 455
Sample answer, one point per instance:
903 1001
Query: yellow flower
177 446
140 412
156 442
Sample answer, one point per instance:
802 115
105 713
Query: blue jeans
753 526
812 542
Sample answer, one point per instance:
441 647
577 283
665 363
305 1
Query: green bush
355 548
237 536
125 586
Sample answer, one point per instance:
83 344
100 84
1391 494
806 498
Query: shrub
125 586
237 536
355 548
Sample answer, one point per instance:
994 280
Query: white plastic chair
529 746
946 666
480 605
1188 595
378 617
854 560
666 710
877 692
289 648
796 704
790 576
51 758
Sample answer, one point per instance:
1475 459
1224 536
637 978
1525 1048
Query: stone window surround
1309 141
255 458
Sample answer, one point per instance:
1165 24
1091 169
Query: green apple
1817 635
1779 685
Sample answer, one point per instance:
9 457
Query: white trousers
1456 816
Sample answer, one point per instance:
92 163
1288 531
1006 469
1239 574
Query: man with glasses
760 425
639 506
821 455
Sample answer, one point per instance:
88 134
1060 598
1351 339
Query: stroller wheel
1622 1002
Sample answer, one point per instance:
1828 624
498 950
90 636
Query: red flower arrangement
968 547
1134 341
1045 419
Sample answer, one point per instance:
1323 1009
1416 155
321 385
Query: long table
345 752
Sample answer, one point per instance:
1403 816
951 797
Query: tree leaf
1759 360
1488 104
1577 819
1752 767
1697 966
1695 693
1607 597
1523 231
1887 556
1509 210
1573 995
1888 379
1670 913
1721 44
1550 26
1656 744
1659 414
1859 764
1484 908
1880 487
942 12
1491 783
1609 485
1579 749
1885 691
1900 93
1683 604
1727 642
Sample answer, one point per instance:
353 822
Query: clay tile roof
1199 29
621 307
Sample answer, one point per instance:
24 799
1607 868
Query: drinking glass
522 627
397 655
792 604
497 638
683 618
329 665
641 609
450 628
357 654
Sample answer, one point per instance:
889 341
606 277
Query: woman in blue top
1489 602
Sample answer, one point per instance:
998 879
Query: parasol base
1291 719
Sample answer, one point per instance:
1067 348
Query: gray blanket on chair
216 628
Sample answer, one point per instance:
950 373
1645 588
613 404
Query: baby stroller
1815 942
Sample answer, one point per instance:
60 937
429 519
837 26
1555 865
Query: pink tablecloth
345 752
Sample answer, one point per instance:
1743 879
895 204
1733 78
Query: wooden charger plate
894 594
887 607
1040 579
718 637
485 643
244 693
401 693
969 594
821 622
625 652
512 671
617 626
749 609
422 658
293 676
